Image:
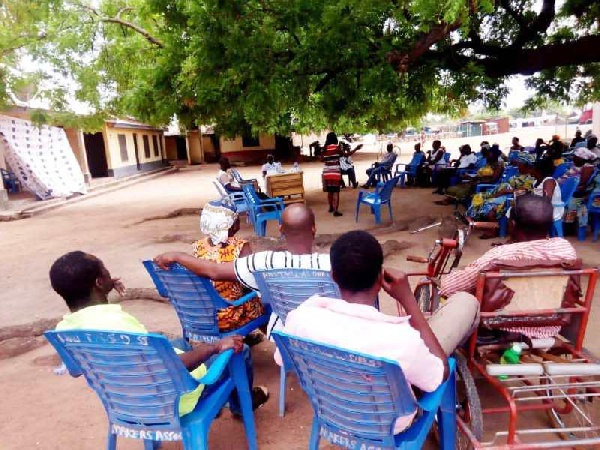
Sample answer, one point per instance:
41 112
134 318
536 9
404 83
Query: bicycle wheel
580 410
468 404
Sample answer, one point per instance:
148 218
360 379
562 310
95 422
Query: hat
585 154
216 219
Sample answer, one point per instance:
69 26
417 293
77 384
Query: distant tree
308 64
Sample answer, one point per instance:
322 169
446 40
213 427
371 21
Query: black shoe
366 186
355 185
337 214
331 209
260 395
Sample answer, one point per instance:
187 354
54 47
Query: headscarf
216 219
584 154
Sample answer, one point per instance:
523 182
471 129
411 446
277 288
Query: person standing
332 172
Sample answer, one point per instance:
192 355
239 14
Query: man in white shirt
420 347
270 167
297 226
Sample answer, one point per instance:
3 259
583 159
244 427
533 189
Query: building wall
200 154
236 151
120 166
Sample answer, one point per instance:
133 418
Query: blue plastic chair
594 212
385 173
284 290
10 181
238 199
139 380
410 169
567 189
382 196
261 211
196 302
356 398
561 169
507 174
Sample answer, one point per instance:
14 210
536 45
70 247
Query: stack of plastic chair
382 196
10 181
356 398
284 290
410 169
567 189
261 211
196 302
139 380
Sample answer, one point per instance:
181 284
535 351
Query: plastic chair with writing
196 302
140 380
262 210
284 290
356 398
410 169
567 189
382 196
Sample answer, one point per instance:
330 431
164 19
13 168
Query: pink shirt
363 329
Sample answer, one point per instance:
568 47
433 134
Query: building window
250 141
123 147
155 143
146 146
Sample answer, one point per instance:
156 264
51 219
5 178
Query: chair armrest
430 401
240 301
482 187
216 368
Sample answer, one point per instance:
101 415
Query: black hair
331 139
356 261
467 148
73 277
532 213
224 161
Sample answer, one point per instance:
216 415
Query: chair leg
282 383
558 228
596 226
581 232
357 209
503 222
401 180
315 436
377 211
151 445
447 415
195 438
112 440
390 208
238 372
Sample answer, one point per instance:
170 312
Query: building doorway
181 147
96 154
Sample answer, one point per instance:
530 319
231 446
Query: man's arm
396 285
203 351
201 267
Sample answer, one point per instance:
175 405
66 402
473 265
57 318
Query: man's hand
166 259
234 342
395 283
118 286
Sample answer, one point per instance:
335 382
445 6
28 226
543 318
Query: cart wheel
468 405
580 410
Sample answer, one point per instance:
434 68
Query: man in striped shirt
531 218
298 227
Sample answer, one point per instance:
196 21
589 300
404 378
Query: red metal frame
478 363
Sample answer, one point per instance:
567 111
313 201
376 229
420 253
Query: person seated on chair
516 146
220 222
297 227
347 165
530 220
84 283
592 145
270 167
419 346
385 165
577 139
467 160
225 176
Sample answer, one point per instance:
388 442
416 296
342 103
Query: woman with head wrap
584 168
220 222
490 173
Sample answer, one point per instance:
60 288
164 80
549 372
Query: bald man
297 227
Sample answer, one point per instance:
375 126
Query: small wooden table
290 186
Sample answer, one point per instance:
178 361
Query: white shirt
246 266
466 160
226 178
363 329
557 211
270 168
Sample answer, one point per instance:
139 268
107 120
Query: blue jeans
234 404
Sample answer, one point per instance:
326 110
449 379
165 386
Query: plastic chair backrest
236 176
560 170
385 193
286 289
250 194
416 161
567 189
509 172
447 157
355 397
138 378
481 162
221 189
194 298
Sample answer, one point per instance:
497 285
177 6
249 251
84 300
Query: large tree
276 64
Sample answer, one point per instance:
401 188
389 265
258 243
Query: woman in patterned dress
220 223
332 172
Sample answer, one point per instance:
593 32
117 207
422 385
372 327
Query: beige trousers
455 320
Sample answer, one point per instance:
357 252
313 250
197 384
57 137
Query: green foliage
282 65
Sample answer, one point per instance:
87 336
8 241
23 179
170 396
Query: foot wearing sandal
331 209
260 395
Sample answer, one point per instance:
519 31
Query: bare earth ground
42 410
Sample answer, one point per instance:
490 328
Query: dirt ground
46 411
